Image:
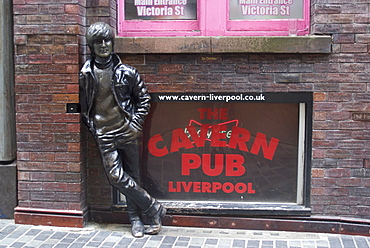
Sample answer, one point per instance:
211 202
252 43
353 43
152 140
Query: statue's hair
98 31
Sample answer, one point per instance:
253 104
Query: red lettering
179 140
218 133
260 141
189 161
212 114
216 186
186 186
200 140
223 113
196 187
239 137
206 164
153 149
240 188
234 165
250 190
202 111
228 187
170 187
206 187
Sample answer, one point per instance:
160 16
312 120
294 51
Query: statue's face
103 48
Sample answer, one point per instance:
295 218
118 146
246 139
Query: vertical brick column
51 171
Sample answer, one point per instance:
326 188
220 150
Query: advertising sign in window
161 9
265 9
240 148
212 18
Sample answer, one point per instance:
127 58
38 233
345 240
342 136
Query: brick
62 118
362 97
42 176
287 77
26 127
30 89
65 39
71 8
326 28
326 87
55 187
25 9
133 59
325 106
323 182
327 9
39 59
317 173
351 125
360 191
337 153
74 167
53 9
348 182
354 48
40 118
350 163
42 196
53 108
69 196
72 88
338 115
54 128
74 147
343 38
71 49
74 128
318 134
41 156
55 147
52 49
235 79
65 98
366 163
35 137
318 153
67 138
74 70
66 78
54 69
68 177
170 68
65 59
38 19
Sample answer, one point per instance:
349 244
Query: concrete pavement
113 235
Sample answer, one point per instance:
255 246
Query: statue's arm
83 83
142 101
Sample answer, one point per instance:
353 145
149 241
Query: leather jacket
127 87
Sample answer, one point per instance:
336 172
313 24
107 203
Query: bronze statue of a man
114 104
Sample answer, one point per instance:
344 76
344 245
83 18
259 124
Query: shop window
213 18
228 153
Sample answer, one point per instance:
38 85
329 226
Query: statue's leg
131 165
122 181
131 155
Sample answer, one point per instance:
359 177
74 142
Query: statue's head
98 32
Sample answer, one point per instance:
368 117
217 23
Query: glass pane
265 9
160 10
235 151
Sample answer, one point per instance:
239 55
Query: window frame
209 23
146 28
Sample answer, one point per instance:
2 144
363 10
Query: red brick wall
50 170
